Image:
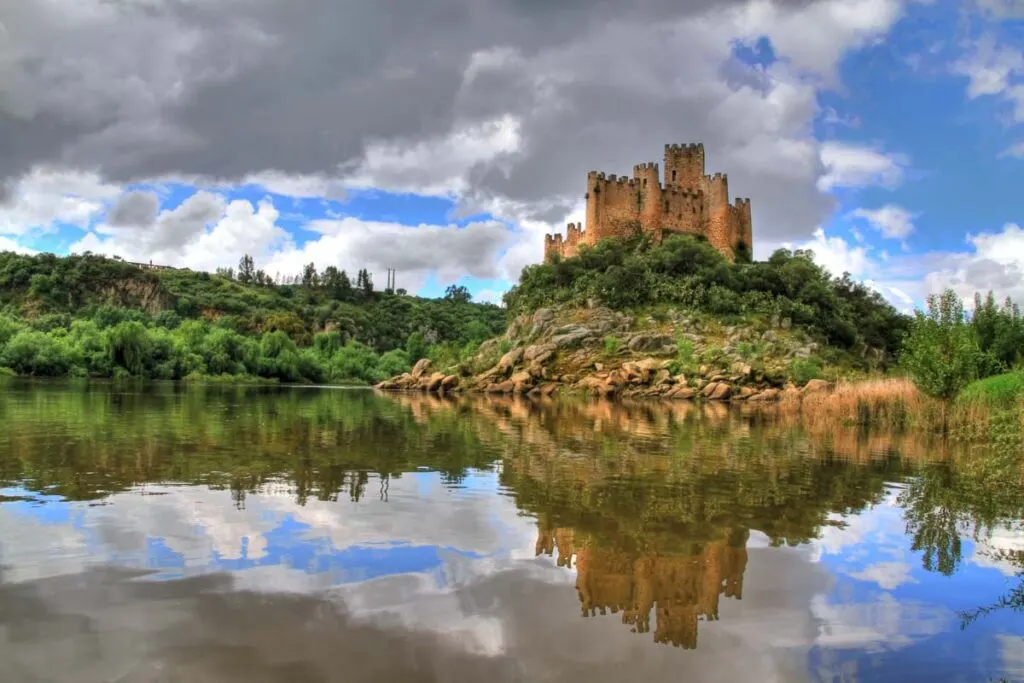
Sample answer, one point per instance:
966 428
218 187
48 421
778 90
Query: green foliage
611 344
941 354
1000 331
88 316
416 346
999 391
684 363
803 370
687 272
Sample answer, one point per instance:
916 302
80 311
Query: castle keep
689 202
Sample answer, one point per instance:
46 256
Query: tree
364 283
246 270
416 347
309 276
336 283
942 353
457 294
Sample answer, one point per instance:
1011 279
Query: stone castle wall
688 202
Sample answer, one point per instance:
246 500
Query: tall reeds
891 403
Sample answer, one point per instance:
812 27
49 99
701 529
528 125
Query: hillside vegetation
91 316
690 274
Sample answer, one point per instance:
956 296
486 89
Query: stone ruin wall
688 202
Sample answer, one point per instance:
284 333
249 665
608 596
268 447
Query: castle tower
649 190
684 166
720 227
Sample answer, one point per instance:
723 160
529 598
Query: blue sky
887 136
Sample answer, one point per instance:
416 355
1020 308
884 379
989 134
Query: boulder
682 392
433 383
506 387
572 338
509 360
543 315
421 368
716 391
817 385
743 370
650 342
548 389
766 395
521 382
450 382
539 352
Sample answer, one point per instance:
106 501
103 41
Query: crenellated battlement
690 146
685 200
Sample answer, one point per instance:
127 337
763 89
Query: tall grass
892 403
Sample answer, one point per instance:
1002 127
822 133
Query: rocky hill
670 354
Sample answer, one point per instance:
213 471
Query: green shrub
684 363
942 354
611 344
803 370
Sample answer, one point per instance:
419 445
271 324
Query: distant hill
47 294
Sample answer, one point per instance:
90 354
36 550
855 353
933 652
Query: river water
163 533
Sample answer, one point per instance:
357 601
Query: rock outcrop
606 353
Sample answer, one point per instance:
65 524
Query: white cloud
437 166
894 222
448 252
997 264
995 68
1001 9
1005 247
1015 150
488 296
888 575
8 244
990 69
851 165
46 197
298 186
203 233
1002 548
815 37
881 625
836 254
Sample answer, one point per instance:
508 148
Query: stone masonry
688 202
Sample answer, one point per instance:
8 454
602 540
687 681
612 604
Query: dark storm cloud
226 89
136 208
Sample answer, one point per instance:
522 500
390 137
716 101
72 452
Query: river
165 533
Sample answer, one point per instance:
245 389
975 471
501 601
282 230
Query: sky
443 139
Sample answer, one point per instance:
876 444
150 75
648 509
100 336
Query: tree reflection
652 505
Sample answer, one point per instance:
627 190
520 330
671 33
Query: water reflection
483 530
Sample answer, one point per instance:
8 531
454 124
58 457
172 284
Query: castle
689 202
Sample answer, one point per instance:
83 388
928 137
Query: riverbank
661 353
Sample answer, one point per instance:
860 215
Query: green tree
941 353
310 278
457 294
246 270
416 347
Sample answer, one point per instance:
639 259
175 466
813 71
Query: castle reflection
680 590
